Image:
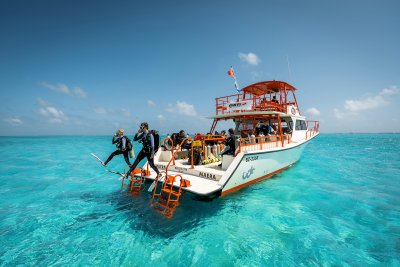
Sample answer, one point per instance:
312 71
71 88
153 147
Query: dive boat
270 135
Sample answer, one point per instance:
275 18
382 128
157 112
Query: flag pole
231 73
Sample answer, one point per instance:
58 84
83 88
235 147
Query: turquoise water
338 206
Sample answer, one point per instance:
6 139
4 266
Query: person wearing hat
145 137
121 142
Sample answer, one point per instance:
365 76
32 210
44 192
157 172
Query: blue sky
90 67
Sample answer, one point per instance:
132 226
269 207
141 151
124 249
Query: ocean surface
338 206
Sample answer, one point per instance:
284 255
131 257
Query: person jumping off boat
123 144
145 137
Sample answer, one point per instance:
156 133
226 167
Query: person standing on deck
229 143
147 139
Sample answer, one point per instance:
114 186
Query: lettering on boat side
236 105
247 174
208 176
180 169
162 167
251 158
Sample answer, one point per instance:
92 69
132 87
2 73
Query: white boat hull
246 168
256 166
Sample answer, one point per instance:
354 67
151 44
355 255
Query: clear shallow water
339 205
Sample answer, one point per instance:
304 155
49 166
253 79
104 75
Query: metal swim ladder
135 183
169 196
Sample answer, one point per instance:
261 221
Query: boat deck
203 178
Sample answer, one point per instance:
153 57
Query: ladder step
171 199
169 191
167 205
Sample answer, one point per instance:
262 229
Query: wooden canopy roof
268 87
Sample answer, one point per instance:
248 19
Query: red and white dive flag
232 74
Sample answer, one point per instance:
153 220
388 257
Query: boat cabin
264 116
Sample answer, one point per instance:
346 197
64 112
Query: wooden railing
252 103
262 142
176 150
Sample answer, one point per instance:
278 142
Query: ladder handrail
172 143
173 154
156 184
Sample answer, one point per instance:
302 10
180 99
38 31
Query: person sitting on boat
264 129
271 130
147 139
229 144
274 100
178 138
121 142
259 128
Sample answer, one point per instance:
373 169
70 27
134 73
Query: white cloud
250 58
64 89
160 117
313 111
112 111
352 107
100 110
50 112
338 114
13 121
80 92
366 103
393 90
182 108
125 112
151 103
42 102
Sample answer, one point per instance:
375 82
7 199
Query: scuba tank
252 139
218 149
214 150
131 153
262 139
208 151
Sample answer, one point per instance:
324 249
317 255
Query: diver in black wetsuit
229 143
147 139
121 143
178 138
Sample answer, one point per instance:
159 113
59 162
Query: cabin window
287 127
244 126
301 125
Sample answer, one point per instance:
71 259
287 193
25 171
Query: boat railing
176 151
165 146
312 129
262 142
246 102
213 137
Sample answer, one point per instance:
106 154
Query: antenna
288 66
